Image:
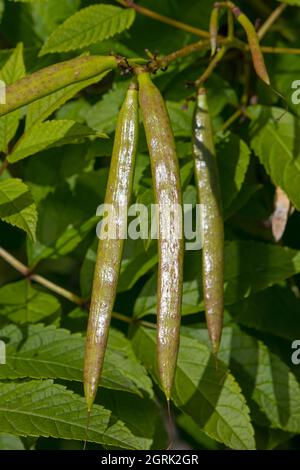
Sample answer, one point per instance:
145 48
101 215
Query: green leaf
181 113
10 442
270 439
57 167
103 115
41 408
252 266
18 25
75 110
47 15
249 267
44 135
233 160
17 206
64 244
48 352
136 262
41 109
285 71
145 418
186 423
210 396
88 26
21 303
242 198
181 118
276 143
263 377
13 70
220 94
70 207
254 312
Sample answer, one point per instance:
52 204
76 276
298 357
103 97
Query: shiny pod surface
110 247
165 172
54 78
207 181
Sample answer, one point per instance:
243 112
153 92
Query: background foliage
58 150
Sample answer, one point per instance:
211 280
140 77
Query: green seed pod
213 29
207 181
109 254
257 56
54 78
167 192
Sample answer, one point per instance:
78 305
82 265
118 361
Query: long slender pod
207 182
253 41
54 78
110 247
166 176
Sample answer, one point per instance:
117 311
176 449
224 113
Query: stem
147 324
194 47
230 20
10 259
187 50
253 41
26 272
57 289
271 20
244 100
58 76
164 19
266 49
232 119
279 50
175 23
228 5
121 317
212 65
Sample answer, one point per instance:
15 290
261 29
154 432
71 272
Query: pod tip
213 47
215 347
167 393
89 394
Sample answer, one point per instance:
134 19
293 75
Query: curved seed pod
257 56
54 78
167 192
213 29
110 249
207 181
